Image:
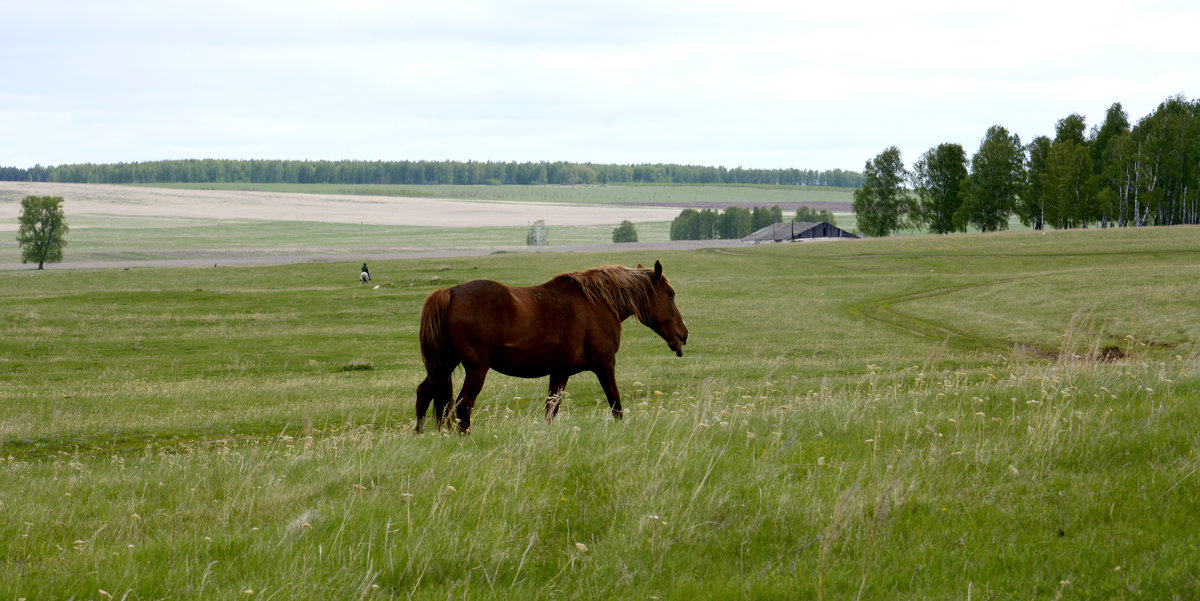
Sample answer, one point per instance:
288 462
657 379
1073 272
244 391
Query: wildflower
306 526
1014 470
658 393
750 435
105 594
450 488
820 461
582 548
405 497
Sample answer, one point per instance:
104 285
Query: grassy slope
886 417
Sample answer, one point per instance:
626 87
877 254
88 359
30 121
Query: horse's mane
626 291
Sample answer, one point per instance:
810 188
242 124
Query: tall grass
194 433
930 486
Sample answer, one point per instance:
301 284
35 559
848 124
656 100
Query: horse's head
661 314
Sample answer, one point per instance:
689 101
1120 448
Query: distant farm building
794 231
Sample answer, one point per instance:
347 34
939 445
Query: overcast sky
741 83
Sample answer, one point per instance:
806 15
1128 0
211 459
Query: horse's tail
434 338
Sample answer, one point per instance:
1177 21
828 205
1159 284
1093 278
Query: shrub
626 232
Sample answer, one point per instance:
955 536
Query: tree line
736 222
1112 175
420 173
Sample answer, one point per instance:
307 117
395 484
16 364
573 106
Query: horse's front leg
608 381
555 398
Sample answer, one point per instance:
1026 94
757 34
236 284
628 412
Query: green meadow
1007 416
719 196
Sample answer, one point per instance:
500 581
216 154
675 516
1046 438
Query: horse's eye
671 294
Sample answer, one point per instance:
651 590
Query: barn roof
788 231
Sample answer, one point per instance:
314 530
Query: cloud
751 83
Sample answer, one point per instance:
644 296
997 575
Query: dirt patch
223 205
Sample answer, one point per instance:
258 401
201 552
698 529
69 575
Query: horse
560 328
364 277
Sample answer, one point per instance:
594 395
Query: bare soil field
137 201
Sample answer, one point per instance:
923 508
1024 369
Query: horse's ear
640 266
657 269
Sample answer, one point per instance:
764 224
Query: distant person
365 276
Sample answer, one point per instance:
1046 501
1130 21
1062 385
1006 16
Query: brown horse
567 325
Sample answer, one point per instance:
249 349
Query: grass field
969 417
718 196
106 238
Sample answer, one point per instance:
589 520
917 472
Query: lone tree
41 231
626 232
537 235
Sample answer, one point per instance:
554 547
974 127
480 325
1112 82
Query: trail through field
882 311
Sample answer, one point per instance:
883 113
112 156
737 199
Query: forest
1113 175
421 173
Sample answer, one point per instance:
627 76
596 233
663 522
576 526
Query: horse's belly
524 364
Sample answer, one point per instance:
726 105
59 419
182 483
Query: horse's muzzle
678 345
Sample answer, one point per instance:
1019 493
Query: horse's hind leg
424 395
472 384
436 388
555 397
